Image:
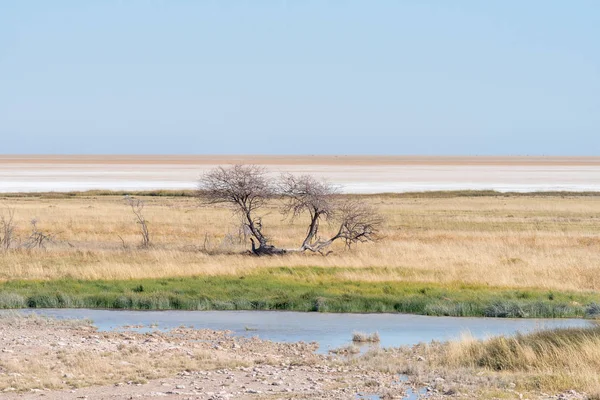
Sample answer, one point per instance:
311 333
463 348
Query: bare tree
7 228
248 189
307 194
357 222
137 207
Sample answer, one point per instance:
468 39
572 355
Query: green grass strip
297 289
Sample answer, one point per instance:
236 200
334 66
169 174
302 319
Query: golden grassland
546 242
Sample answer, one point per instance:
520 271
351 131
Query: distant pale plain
369 175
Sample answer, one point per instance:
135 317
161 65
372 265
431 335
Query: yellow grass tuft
552 360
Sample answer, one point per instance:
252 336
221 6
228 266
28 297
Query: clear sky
300 77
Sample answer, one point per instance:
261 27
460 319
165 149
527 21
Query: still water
330 330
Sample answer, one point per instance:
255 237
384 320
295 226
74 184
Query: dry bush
361 337
346 350
7 228
137 208
38 239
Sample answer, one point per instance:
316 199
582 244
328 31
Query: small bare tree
247 189
305 194
357 222
7 228
137 207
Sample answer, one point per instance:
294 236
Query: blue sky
300 77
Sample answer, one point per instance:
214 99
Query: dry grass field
503 241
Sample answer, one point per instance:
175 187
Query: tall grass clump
12 300
558 359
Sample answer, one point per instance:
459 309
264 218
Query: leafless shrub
231 243
7 228
137 207
359 223
38 239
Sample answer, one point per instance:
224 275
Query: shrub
360 337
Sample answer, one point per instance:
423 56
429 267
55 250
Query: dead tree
247 189
137 207
356 222
7 228
305 194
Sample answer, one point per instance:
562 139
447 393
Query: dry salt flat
353 174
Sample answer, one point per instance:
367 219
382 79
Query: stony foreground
51 359
43 358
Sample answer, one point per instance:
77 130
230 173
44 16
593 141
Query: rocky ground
42 358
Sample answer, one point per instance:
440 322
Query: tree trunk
321 245
255 230
312 231
266 249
